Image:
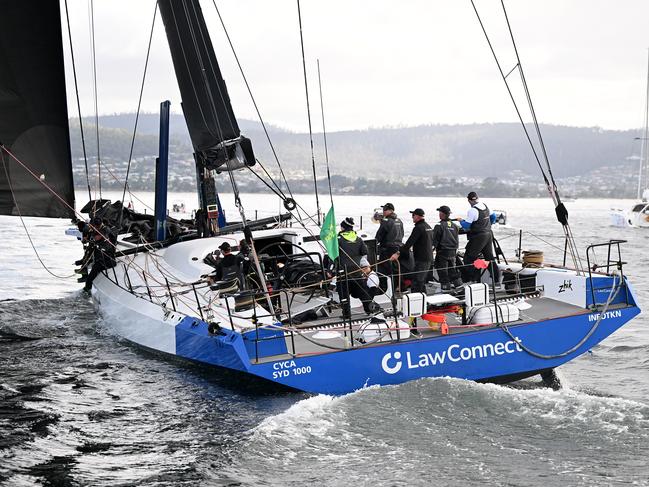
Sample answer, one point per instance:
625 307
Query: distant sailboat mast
644 165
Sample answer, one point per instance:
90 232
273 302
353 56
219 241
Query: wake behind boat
274 310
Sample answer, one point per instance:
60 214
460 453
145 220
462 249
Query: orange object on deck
434 317
436 321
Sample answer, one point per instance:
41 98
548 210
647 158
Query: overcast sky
385 63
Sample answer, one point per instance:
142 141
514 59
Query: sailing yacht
276 315
638 215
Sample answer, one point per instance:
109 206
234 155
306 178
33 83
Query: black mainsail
33 111
215 134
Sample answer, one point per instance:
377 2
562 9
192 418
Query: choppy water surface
78 406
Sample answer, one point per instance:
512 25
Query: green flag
328 234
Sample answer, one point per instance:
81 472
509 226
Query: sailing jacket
227 268
104 248
421 241
445 236
351 249
390 234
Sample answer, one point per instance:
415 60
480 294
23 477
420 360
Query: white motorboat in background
638 215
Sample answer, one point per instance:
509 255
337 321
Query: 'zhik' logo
394 369
567 285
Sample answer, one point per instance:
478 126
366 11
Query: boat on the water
638 215
276 315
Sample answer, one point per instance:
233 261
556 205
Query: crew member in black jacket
479 237
103 256
227 267
421 241
351 280
389 238
446 242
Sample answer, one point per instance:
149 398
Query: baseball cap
388 206
418 211
472 196
444 209
224 246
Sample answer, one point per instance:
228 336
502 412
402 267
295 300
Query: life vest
483 223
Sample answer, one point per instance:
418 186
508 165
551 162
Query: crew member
84 262
421 241
227 267
445 243
479 237
244 256
103 256
389 237
200 220
351 280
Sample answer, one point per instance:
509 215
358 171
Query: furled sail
33 111
213 128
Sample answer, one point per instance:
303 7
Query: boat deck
333 334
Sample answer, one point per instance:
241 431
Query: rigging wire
254 101
562 213
308 111
324 135
81 120
179 295
554 192
65 203
548 178
131 194
94 84
230 170
276 189
76 90
298 207
530 105
137 113
22 220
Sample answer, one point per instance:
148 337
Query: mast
644 154
161 174
213 128
218 143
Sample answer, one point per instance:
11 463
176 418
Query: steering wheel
303 279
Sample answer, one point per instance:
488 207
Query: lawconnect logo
392 362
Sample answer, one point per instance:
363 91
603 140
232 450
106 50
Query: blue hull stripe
475 355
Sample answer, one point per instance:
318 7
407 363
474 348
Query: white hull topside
637 217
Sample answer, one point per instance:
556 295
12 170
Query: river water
79 406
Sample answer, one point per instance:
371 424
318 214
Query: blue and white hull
486 355
270 353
